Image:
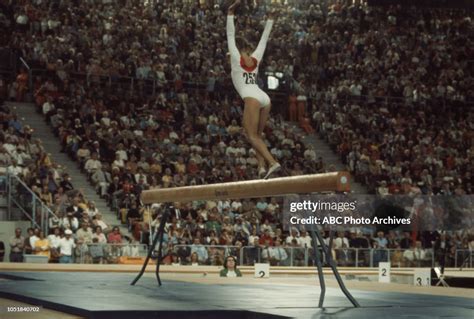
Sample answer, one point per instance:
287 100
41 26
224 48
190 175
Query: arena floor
107 294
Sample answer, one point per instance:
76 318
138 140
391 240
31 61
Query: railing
151 85
30 74
129 84
108 253
19 195
463 258
350 257
3 184
277 256
299 256
395 100
215 255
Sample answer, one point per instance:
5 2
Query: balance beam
328 182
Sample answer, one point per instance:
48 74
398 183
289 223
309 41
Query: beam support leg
158 237
319 265
332 264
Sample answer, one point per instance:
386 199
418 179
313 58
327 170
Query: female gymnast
245 62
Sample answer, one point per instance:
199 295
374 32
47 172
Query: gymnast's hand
231 9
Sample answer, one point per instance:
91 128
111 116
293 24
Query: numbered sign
262 270
422 277
384 272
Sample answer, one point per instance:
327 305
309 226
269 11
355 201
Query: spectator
406 241
115 237
70 221
130 248
183 251
276 255
297 254
252 252
66 247
14 169
46 196
266 238
42 246
201 251
83 154
66 183
133 216
28 250
84 234
101 179
381 240
99 235
48 107
392 240
55 221
98 222
93 164
215 254
230 268
194 259
305 240
175 260
415 256
92 210
293 235
17 243
396 257
54 241
96 251
34 236
442 249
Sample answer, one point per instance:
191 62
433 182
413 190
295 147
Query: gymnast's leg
264 114
251 124
261 165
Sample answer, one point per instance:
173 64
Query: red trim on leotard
245 67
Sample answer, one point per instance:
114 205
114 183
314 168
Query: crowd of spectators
126 143
343 59
400 148
395 100
23 156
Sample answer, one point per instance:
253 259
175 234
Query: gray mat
109 295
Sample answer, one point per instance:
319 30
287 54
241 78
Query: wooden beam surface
302 184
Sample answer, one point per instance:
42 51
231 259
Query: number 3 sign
422 277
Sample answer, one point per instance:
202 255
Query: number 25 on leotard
250 78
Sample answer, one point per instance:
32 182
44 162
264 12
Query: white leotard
244 78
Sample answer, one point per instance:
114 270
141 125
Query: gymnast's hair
243 44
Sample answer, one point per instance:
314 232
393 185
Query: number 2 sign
384 272
262 270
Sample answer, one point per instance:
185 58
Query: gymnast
245 62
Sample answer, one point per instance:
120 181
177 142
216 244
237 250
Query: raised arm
258 54
234 52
